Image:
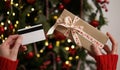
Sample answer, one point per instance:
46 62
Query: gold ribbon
74 30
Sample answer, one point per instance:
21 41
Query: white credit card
32 34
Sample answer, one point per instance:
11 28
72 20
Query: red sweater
104 62
6 64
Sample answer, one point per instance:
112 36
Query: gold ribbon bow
74 30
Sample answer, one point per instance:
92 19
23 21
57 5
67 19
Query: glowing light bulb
67 62
38 55
46 43
55 17
5 28
77 57
66 48
17 22
70 58
32 9
9 21
41 51
16 4
57 43
73 46
13 14
2 23
8 12
28 14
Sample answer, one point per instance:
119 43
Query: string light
28 14
16 4
70 58
55 17
66 48
35 19
77 57
13 30
41 51
3 41
15 25
17 22
13 14
32 9
73 46
56 11
12 2
38 55
46 43
68 40
9 21
5 38
57 43
2 23
2 36
8 12
5 28
67 62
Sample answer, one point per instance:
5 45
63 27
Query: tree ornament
61 6
66 1
11 26
65 66
50 46
29 55
59 36
72 51
8 4
58 59
94 23
31 1
1 30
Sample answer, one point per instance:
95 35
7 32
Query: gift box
81 32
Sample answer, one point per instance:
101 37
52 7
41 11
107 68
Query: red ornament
30 55
1 30
58 59
59 36
61 6
66 1
8 4
50 46
72 51
65 66
94 23
11 27
31 1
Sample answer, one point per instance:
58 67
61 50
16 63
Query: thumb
95 50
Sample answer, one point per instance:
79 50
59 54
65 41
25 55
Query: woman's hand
9 49
96 51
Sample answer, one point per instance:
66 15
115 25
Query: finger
23 48
10 40
114 43
14 50
96 50
107 49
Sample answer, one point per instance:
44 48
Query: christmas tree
56 52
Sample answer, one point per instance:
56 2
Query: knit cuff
107 62
6 64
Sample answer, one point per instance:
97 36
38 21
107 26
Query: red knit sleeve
106 62
6 64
